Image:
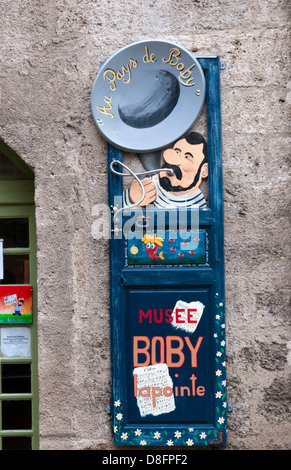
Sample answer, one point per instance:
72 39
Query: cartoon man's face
189 165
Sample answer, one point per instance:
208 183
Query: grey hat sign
147 95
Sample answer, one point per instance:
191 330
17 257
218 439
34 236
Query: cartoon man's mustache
176 169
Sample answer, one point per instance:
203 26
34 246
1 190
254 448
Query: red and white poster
15 304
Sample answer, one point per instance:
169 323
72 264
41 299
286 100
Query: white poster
15 341
154 390
1 259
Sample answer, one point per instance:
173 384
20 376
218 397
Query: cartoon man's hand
135 192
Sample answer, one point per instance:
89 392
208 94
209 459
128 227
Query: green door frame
17 201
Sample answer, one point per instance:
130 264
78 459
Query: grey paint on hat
147 95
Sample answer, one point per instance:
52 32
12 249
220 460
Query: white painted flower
189 442
119 416
137 432
124 436
143 442
117 403
219 353
221 304
224 363
218 373
115 429
221 420
178 434
190 429
223 325
222 343
215 335
224 383
203 435
170 442
218 395
224 404
157 435
217 317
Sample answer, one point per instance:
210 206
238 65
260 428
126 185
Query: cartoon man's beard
166 184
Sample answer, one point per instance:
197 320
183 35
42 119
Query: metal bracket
219 439
205 56
229 407
222 63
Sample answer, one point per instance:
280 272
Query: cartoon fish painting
196 239
152 244
184 243
180 255
191 252
171 240
172 248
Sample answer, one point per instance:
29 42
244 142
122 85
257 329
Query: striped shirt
164 199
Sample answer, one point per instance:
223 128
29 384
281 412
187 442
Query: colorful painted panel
152 249
173 374
15 304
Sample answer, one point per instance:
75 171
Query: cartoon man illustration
18 307
188 160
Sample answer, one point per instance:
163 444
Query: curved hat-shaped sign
147 95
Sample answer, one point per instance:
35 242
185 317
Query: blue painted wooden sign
167 288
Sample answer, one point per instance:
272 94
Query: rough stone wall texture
50 55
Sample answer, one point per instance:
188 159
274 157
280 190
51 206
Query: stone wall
50 55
